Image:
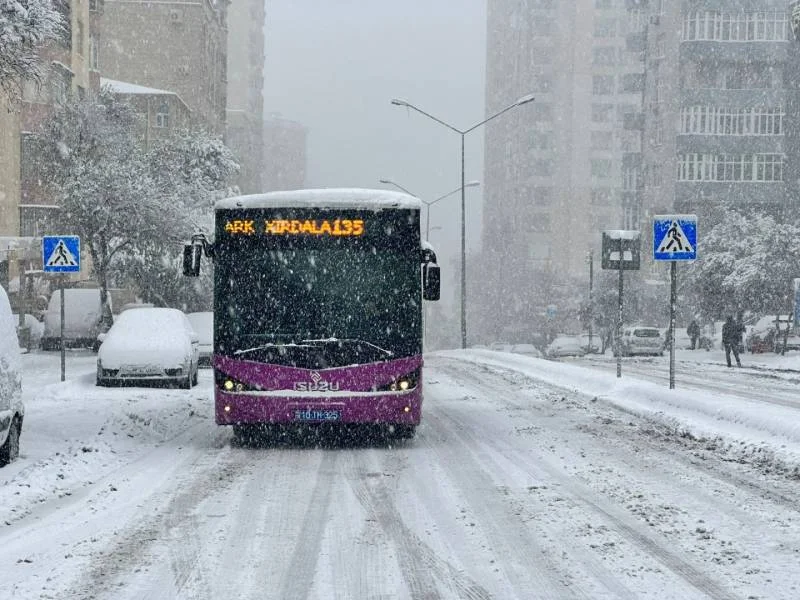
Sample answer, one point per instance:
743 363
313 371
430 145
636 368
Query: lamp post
427 203
463 133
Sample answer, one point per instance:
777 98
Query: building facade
555 170
715 113
26 210
245 97
177 45
284 165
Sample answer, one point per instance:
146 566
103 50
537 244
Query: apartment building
715 112
553 173
176 45
285 151
245 109
26 210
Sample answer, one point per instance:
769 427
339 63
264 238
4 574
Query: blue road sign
675 237
61 254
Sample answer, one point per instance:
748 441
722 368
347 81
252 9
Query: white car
203 325
149 344
565 345
12 410
83 314
642 340
527 350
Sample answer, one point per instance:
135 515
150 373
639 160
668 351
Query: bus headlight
401 384
232 385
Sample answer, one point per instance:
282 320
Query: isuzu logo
316 384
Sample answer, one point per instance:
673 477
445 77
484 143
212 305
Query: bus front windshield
366 298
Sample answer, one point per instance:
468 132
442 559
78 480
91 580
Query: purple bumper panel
292 395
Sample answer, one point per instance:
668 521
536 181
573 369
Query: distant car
565 345
500 346
527 350
642 340
760 336
203 325
682 339
83 318
147 345
12 410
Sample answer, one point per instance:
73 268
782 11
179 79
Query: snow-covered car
34 331
83 318
12 409
642 340
149 344
682 339
760 337
203 325
527 350
500 346
565 345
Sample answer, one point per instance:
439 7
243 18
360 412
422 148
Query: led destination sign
313 227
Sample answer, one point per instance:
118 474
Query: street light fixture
427 203
463 133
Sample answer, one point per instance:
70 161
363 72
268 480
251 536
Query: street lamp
429 203
463 133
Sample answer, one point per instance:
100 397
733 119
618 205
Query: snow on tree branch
25 25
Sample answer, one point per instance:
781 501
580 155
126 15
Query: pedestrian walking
731 338
693 331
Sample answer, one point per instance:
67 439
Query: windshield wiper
349 341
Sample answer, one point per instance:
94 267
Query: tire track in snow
580 493
133 548
299 576
420 566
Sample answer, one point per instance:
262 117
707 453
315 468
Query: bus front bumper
396 408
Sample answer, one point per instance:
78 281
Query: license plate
316 415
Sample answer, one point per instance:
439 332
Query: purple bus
318 308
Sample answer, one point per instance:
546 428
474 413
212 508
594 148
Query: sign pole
673 301
619 315
591 299
63 351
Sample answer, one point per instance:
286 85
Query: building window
602 113
713 120
604 56
601 168
80 38
602 140
541 140
630 179
603 196
542 196
542 167
603 85
60 82
541 112
94 58
162 115
718 26
605 27
36 221
730 167
94 4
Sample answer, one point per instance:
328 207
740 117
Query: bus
318 308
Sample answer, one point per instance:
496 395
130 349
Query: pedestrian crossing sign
61 254
675 237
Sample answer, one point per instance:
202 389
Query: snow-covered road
515 487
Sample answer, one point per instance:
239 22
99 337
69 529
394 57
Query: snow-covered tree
25 25
101 178
747 263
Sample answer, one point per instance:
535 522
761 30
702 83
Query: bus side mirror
191 260
431 281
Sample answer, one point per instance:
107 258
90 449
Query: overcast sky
335 66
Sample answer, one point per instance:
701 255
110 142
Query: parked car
565 345
760 336
642 340
83 318
527 350
149 344
784 332
12 410
500 346
35 329
682 339
203 325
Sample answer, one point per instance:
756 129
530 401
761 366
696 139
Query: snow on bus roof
338 198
